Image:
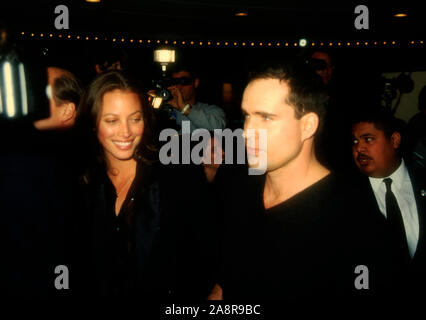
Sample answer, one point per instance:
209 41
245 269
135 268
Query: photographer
187 108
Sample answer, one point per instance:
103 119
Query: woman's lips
123 145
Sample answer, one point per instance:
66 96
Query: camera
161 88
161 93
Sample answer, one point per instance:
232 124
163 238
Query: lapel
370 199
419 188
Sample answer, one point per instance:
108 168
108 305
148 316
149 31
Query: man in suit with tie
396 191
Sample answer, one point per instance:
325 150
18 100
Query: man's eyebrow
363 136
260 113
265 114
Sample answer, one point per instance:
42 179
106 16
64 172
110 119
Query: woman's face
120 124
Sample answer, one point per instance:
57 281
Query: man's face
187 91
327 72
265 108
374 154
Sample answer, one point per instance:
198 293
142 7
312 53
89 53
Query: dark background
358 68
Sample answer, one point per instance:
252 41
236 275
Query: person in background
394 190
37 168
338 110
107 59
325 68
64 92
416 132
188 108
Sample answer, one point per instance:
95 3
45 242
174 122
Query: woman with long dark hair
127 253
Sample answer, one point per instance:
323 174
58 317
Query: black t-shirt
304 246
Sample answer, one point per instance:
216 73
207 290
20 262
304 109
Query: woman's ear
309 123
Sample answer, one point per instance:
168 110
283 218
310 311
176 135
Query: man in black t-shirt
288 232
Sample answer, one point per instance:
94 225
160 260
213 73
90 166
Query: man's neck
396 165
191 101
283 183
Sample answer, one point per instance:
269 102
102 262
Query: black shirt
125 254
302 247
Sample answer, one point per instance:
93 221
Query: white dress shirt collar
404 193
399 176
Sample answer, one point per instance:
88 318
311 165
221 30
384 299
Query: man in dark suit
394 190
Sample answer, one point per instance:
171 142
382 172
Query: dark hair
90 108
67 89
382 119
191 69
105 56
307 92
326 51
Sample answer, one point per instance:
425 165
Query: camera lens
165 94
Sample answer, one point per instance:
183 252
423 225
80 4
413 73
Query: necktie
395 221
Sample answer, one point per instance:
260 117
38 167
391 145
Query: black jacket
413 276
154 248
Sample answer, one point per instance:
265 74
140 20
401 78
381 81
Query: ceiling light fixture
241 14
303 42
400 15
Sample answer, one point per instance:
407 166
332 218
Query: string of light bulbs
210 43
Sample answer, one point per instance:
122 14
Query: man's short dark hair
326 51
107 55
67 89
382 119
307 91
191 69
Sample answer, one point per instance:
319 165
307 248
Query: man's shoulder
417 174
203 105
